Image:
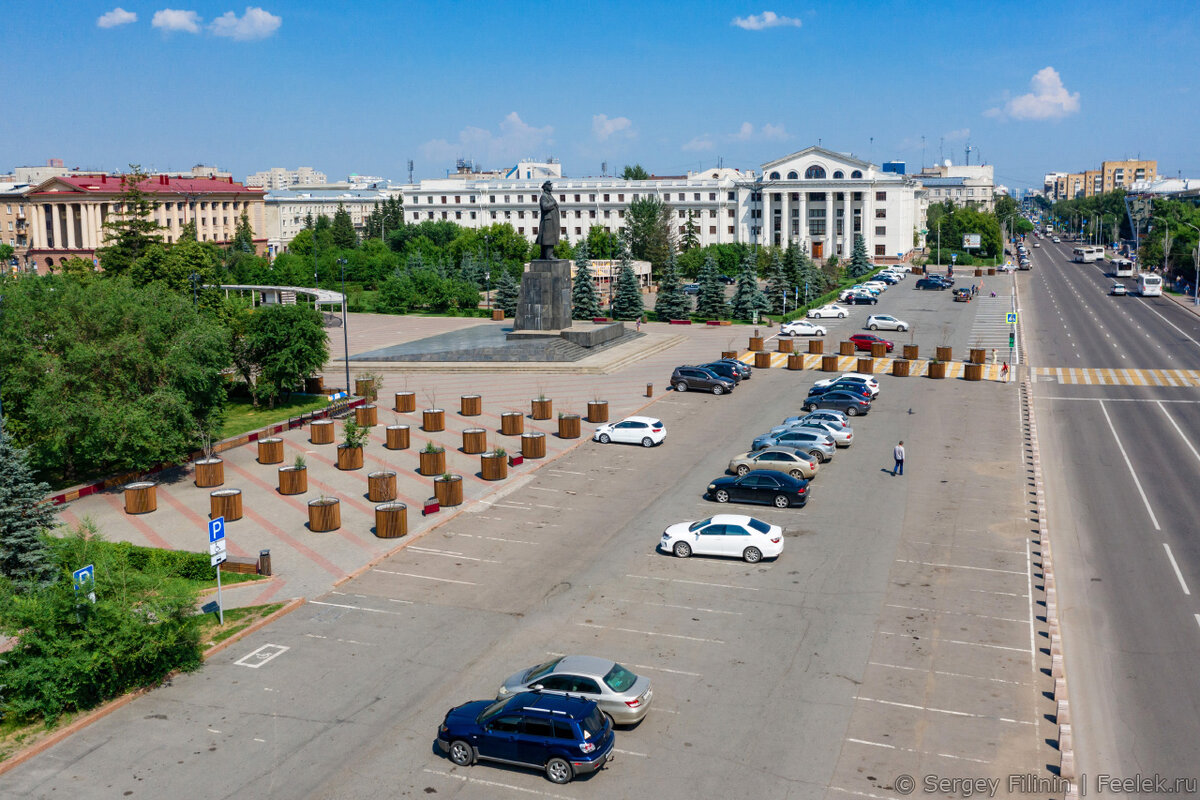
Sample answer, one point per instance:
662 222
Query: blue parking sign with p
216 529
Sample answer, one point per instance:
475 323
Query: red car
863 341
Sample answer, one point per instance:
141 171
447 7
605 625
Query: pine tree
130 229
747 297
859 264
791 265
812 280
585 300
243 236
627 297
672 303
25 557
342 229
778 286
507 293
691 233
308 221
710 301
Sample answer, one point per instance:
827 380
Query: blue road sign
216 529
85 577
1011 318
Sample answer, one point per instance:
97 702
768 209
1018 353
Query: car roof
650 420
556 704
735 519
783 476
791 451
584 665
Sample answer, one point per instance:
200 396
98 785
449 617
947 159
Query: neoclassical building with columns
67 213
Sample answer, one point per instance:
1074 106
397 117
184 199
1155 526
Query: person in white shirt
898 454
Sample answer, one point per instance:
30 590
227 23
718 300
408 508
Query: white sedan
831 310
646 431
801 328
733 535
857 377
887 322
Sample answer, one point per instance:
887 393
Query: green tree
859 264
76 268
812 282
602 243
791 265
671 302
650 237
691 233
508 291
286 343
747 297
627 296
243 235
130 230
24 519
6 254
778 286
342 229
585 300
634 172
710 301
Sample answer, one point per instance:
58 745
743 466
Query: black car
700 378
743 369
853 387
931 283
890 280
862 300
691 288
851 404
725 370
725 279
761 486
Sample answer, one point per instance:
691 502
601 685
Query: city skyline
367 86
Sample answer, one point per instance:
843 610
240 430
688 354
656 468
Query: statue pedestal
544 303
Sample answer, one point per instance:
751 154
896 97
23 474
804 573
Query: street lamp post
345 336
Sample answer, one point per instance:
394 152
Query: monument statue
550 223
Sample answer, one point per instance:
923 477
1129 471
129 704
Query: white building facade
286 211
277 178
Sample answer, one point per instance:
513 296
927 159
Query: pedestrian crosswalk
1117 377
880 366
991 328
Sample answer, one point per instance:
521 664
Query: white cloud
744 132
1048 100
768 133
514 141
170 19
603 127
118 16
774 133
962 134
767 19
698 143
254 24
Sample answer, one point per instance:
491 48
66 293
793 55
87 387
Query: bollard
1055 645
1060 688
264 562
1063 714
1065 738
1056 665
649 390
1066 768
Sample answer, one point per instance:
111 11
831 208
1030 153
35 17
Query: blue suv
564 736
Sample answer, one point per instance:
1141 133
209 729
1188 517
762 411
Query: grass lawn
236 619
242 417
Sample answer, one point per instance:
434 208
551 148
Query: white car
859 377
875 289
733 535
899 272
801 328
646 431
887 322
880 285
842 435
1117 288
831 310
1056 240
1037 244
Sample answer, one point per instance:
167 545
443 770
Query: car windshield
758 525
700 524
593 724
492 710
619 679
541 669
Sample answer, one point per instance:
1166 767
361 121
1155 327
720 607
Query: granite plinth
490 342
544 303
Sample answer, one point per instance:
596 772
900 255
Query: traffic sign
1011 318
216 548
85 581
217 559
216 529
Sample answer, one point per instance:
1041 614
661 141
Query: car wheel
558 770
721 496
681 386
902 328
817 455
604 438
718 389
682 550
874 327
742 470
461 753
647 441
852 411
810 407
841 315
797 474
752 554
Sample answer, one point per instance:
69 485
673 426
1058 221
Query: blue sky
365 86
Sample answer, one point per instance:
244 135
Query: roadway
1121 465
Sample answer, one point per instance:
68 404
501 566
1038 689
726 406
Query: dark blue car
562 736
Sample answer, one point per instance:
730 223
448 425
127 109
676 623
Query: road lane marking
1175 566
273 651
424 577
685 608
1178 430
353 608
1129 465
649 633
696 583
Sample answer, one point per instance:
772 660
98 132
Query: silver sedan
625 697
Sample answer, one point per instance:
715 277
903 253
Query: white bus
1149 284
1087 254
1122 268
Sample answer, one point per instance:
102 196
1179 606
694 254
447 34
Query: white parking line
1175 566
649 633
917 752
863 794
947 674
957 613
495 784
696 583
644 666
1129 466
629 753
961 641
449 554
424 577
566 472
352 608
260 656
1002 594
945 711
959 566
493 538
685 608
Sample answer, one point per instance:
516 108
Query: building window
793 175
839 175
712 213
417 215
880 230
712 230
814 173
578 231
881 213
592 213
774 176
681 214
856 196
491 198
731 229
621 198
457 199
712 197
856 174
520 214
881 249
576 198
472 215
732 197
458 215
731 213
881 195
606 213
522 231
606 198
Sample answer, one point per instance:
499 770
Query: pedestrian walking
639 324
993 356
898 454
1004 372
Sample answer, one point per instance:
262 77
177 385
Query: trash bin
264 562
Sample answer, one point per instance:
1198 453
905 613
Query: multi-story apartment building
964 184
14 222
277 178
66 214
1111 175
288 210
